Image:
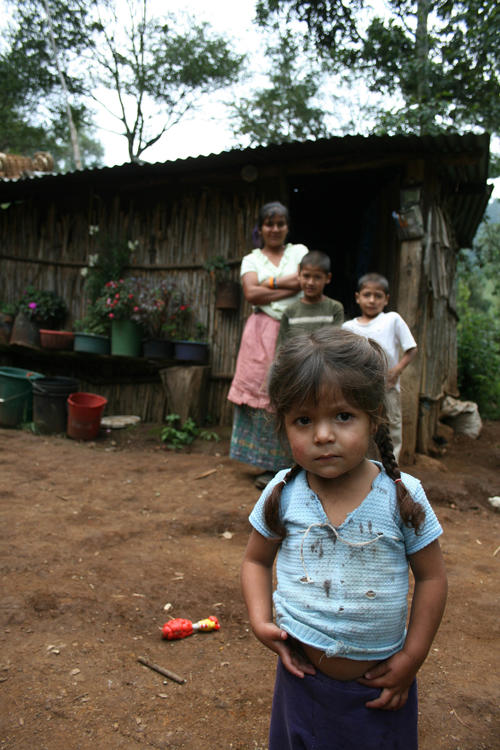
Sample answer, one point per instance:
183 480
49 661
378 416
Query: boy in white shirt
391 332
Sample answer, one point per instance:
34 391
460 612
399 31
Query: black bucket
50 407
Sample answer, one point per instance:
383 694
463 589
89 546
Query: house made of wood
399 205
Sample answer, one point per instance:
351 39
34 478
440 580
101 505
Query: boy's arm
256 583
338 314
394 373
283 331
395 675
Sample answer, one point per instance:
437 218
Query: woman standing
269 276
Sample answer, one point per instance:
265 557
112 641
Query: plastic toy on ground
178 628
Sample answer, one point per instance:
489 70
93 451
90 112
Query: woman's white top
259 263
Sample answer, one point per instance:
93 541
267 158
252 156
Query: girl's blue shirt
344 589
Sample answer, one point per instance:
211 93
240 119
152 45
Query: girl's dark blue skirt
320 713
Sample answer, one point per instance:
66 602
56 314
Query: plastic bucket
16 395
84 415
50 407
125 338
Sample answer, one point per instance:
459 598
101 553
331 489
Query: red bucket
84 415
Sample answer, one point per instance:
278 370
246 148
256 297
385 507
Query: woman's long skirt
254 440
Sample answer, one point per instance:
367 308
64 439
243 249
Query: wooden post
186 389
408 296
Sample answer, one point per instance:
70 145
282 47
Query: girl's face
274 231
330 438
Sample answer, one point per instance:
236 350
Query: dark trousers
320 713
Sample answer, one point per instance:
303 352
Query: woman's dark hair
272 209
357 367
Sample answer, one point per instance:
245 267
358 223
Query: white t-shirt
259 263
390 331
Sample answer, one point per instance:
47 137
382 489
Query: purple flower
32 305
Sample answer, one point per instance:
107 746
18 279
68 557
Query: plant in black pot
189 335
156 300
37 309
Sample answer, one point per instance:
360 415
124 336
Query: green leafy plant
109 261
45 307
177 435
218 267
156 300
8 308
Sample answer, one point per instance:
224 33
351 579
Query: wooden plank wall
47 245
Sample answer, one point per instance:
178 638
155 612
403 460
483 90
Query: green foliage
177 435
440 58
32 100
282 112
478 330
478 336
108 262
156 65
43 306
217 266
156 299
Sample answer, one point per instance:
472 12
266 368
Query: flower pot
191 351
125 338
93 343
25 332
6 323
157 348
56 339
227 295
16 395
84 415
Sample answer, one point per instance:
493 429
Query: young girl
344 529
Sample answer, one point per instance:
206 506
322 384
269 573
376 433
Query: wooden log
408 303
186 391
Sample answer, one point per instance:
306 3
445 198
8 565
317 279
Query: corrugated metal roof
462 161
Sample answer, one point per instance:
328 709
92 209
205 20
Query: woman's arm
395 675
262 294
256 583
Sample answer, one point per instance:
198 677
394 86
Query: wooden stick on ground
164 672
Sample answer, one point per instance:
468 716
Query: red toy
173 630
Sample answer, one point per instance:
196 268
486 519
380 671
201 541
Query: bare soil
97 538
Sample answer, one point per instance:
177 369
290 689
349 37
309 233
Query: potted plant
93 331
190 342
37 309
227 291
156 299
121 303
8 312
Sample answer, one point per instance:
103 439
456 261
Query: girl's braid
412 513
272 505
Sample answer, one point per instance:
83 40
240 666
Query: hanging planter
125 338
227 295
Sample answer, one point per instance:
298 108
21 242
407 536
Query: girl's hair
357 367
272 209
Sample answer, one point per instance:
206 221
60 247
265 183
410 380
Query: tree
283 111
154 72
147 72
40 90
440 58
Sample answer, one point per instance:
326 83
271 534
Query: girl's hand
394 676
277 640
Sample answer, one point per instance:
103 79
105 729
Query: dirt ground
98 538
